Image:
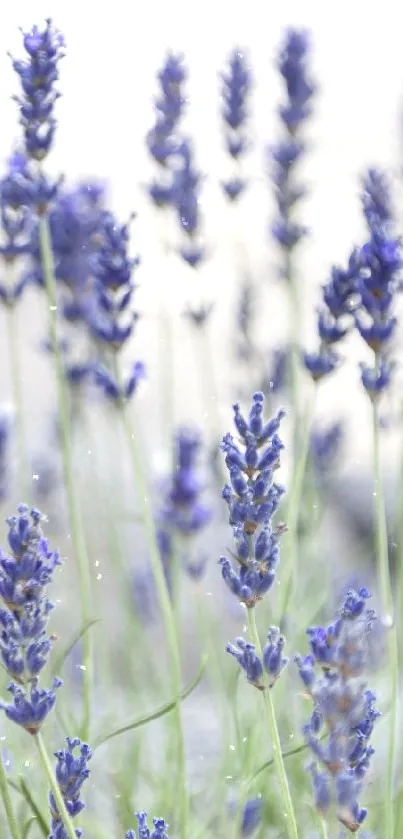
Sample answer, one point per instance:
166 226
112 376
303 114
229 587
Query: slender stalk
323 829
293 349
77 530
16 381
133 444
65 817
210 389
167 367
385 587
291 543
8 804
291 824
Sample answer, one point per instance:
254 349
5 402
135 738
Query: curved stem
385 586
132 437
77 530
65 817
291 544
8 805
291 823
14 358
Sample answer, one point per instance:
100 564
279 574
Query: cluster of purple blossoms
71 772
24 644
110 317
251 815
38 74
377 282
182 517
325 446
17 226
162 139
335 319
144 832
235 91
183 512
292 64
185 200
253 498
25 185
261 672
75 223
343 715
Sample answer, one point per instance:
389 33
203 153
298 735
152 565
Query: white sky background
108 80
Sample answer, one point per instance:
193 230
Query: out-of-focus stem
134 446
385 587
291 543
290 824
77 530
8 804
61 806
16 382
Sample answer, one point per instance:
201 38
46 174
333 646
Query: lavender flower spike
377 282
236 85
71 773
253 498
272 664
335 319
24 615
292 64
163 139
185 200
38 74
144 832
344 714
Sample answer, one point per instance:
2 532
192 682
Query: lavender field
201 460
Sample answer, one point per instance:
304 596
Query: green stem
291 824
293 350
167 367
385 587
132 437
291 542
8 805
15 369
77 530
323 829
66 819
210 389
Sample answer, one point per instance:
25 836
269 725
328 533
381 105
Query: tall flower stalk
16 228
380 263
112 323
253 497
288 232
236 82
38 73
25 645
343 715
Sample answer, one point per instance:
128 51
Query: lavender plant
343 716
163 138
74 256
29 186
253 497
235 93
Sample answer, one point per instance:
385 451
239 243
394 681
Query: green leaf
58 663
268 763
27 826
155 715
22 788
